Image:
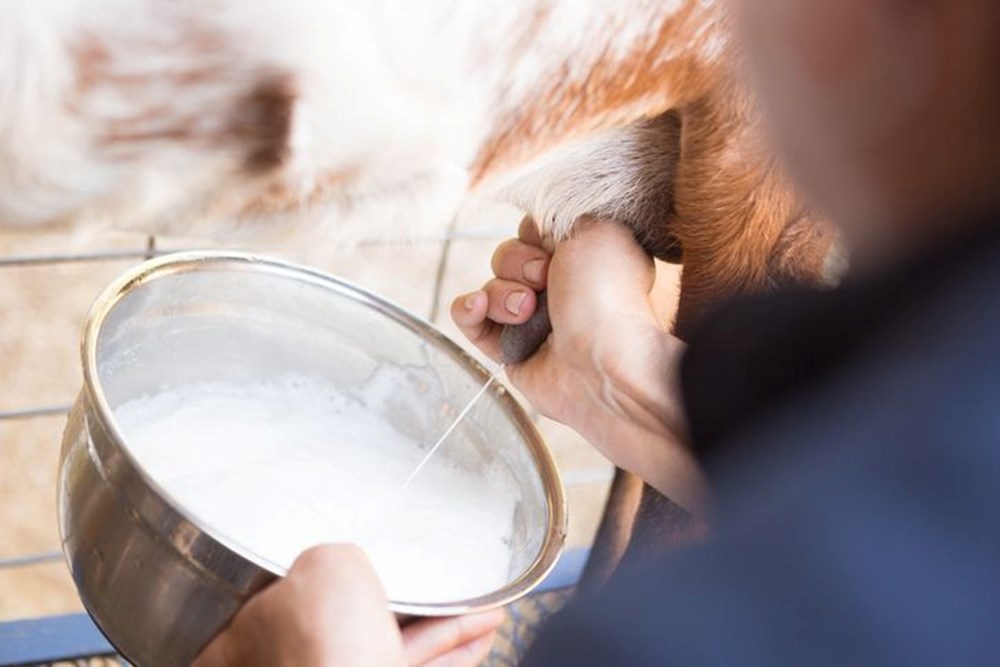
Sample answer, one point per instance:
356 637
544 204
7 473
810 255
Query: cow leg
614 531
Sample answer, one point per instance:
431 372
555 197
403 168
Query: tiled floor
42 307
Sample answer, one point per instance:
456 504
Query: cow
381 118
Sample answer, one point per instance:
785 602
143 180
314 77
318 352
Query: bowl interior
236 321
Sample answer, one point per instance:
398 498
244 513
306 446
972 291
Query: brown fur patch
655 76
732 202
257 124
262 123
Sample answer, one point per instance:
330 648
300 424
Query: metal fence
69 639
73 639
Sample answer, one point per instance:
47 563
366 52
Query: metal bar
567 571
151 250
439 281
75 637
482 233
487 233
31 559
69 258
30 413
588 476
442 266
51 639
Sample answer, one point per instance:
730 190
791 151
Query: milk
280 466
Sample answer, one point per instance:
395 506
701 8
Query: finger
528 232
469 654
468 311
510 302
603 261
332 561
519 261
344 568
434 637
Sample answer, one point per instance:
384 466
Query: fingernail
533 270
470 301
513 302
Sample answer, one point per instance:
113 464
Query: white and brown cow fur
380 117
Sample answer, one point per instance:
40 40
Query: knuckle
502 252
495 288
325 556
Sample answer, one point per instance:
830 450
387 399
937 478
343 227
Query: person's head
886 111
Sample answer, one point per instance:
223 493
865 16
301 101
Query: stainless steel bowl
158 583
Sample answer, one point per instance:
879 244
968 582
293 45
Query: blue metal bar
75 637
567 571
51 639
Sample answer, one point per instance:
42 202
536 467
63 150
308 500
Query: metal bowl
157 582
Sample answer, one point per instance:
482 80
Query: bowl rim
191 261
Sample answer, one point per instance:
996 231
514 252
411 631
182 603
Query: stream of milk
280 466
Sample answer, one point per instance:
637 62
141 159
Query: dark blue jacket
853 442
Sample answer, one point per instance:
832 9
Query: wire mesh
149 250
55 406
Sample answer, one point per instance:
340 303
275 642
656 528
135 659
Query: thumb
601 268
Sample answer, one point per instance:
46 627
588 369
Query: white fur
614 173
399 94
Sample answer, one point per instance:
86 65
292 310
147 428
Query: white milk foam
281 466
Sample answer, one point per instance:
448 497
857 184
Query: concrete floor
41 311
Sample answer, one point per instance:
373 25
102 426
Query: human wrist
658 456
640 379
634 415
